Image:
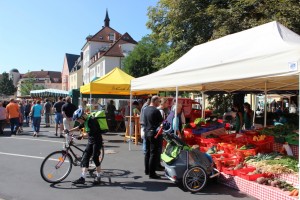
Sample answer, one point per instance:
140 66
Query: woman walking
37 112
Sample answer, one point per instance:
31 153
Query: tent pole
299 123
203 105
176 105
130 125
90 102
254 108
265 106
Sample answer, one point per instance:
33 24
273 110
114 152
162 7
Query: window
112 36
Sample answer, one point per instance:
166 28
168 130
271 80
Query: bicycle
58 164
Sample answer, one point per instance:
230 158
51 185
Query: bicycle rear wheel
56 167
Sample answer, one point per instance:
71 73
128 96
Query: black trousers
91 150
152 153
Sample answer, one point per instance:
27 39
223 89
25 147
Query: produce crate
241 139
230 171
225 162
228 137
210 140
248 152
251 133
245 170
227 147
221 155
265 146
252 177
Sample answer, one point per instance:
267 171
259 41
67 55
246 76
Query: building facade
104 51
41 79
69 62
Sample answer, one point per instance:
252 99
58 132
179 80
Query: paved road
21 157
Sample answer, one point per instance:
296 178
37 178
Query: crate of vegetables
211 138
247 150
227 147
252 175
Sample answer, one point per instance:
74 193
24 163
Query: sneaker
34 134
81 180
61 135
97 181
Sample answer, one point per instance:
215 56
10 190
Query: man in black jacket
67 111
152 121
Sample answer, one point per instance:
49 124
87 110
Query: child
93 147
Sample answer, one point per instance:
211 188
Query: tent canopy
263 57
49 93
116 82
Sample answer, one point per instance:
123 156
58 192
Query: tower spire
106 20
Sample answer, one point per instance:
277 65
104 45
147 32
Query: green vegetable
287 161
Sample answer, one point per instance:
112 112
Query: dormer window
111 36
100 37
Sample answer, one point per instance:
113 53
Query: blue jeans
36 123
14 124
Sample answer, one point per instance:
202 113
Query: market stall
49 93
262 59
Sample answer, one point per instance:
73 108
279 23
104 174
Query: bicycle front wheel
56 167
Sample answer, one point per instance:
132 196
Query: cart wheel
194 179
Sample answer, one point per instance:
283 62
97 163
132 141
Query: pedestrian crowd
17 113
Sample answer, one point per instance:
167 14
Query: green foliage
6 85
220 102
28 85
143 59
183 24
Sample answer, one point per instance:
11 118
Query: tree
220 102
143 59
6 85
28 84
184 24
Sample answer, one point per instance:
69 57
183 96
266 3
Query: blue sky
36 34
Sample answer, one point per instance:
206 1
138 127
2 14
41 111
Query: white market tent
49 93
262 58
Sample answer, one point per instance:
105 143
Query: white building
104 51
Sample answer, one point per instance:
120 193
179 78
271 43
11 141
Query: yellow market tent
116 82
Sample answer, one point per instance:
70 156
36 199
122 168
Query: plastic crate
245 170
210 140
225 162
265 146
252 177
251 133
241 140
229 138
248 152
229 171
221 155
227 147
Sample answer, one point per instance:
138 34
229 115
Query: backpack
101 118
